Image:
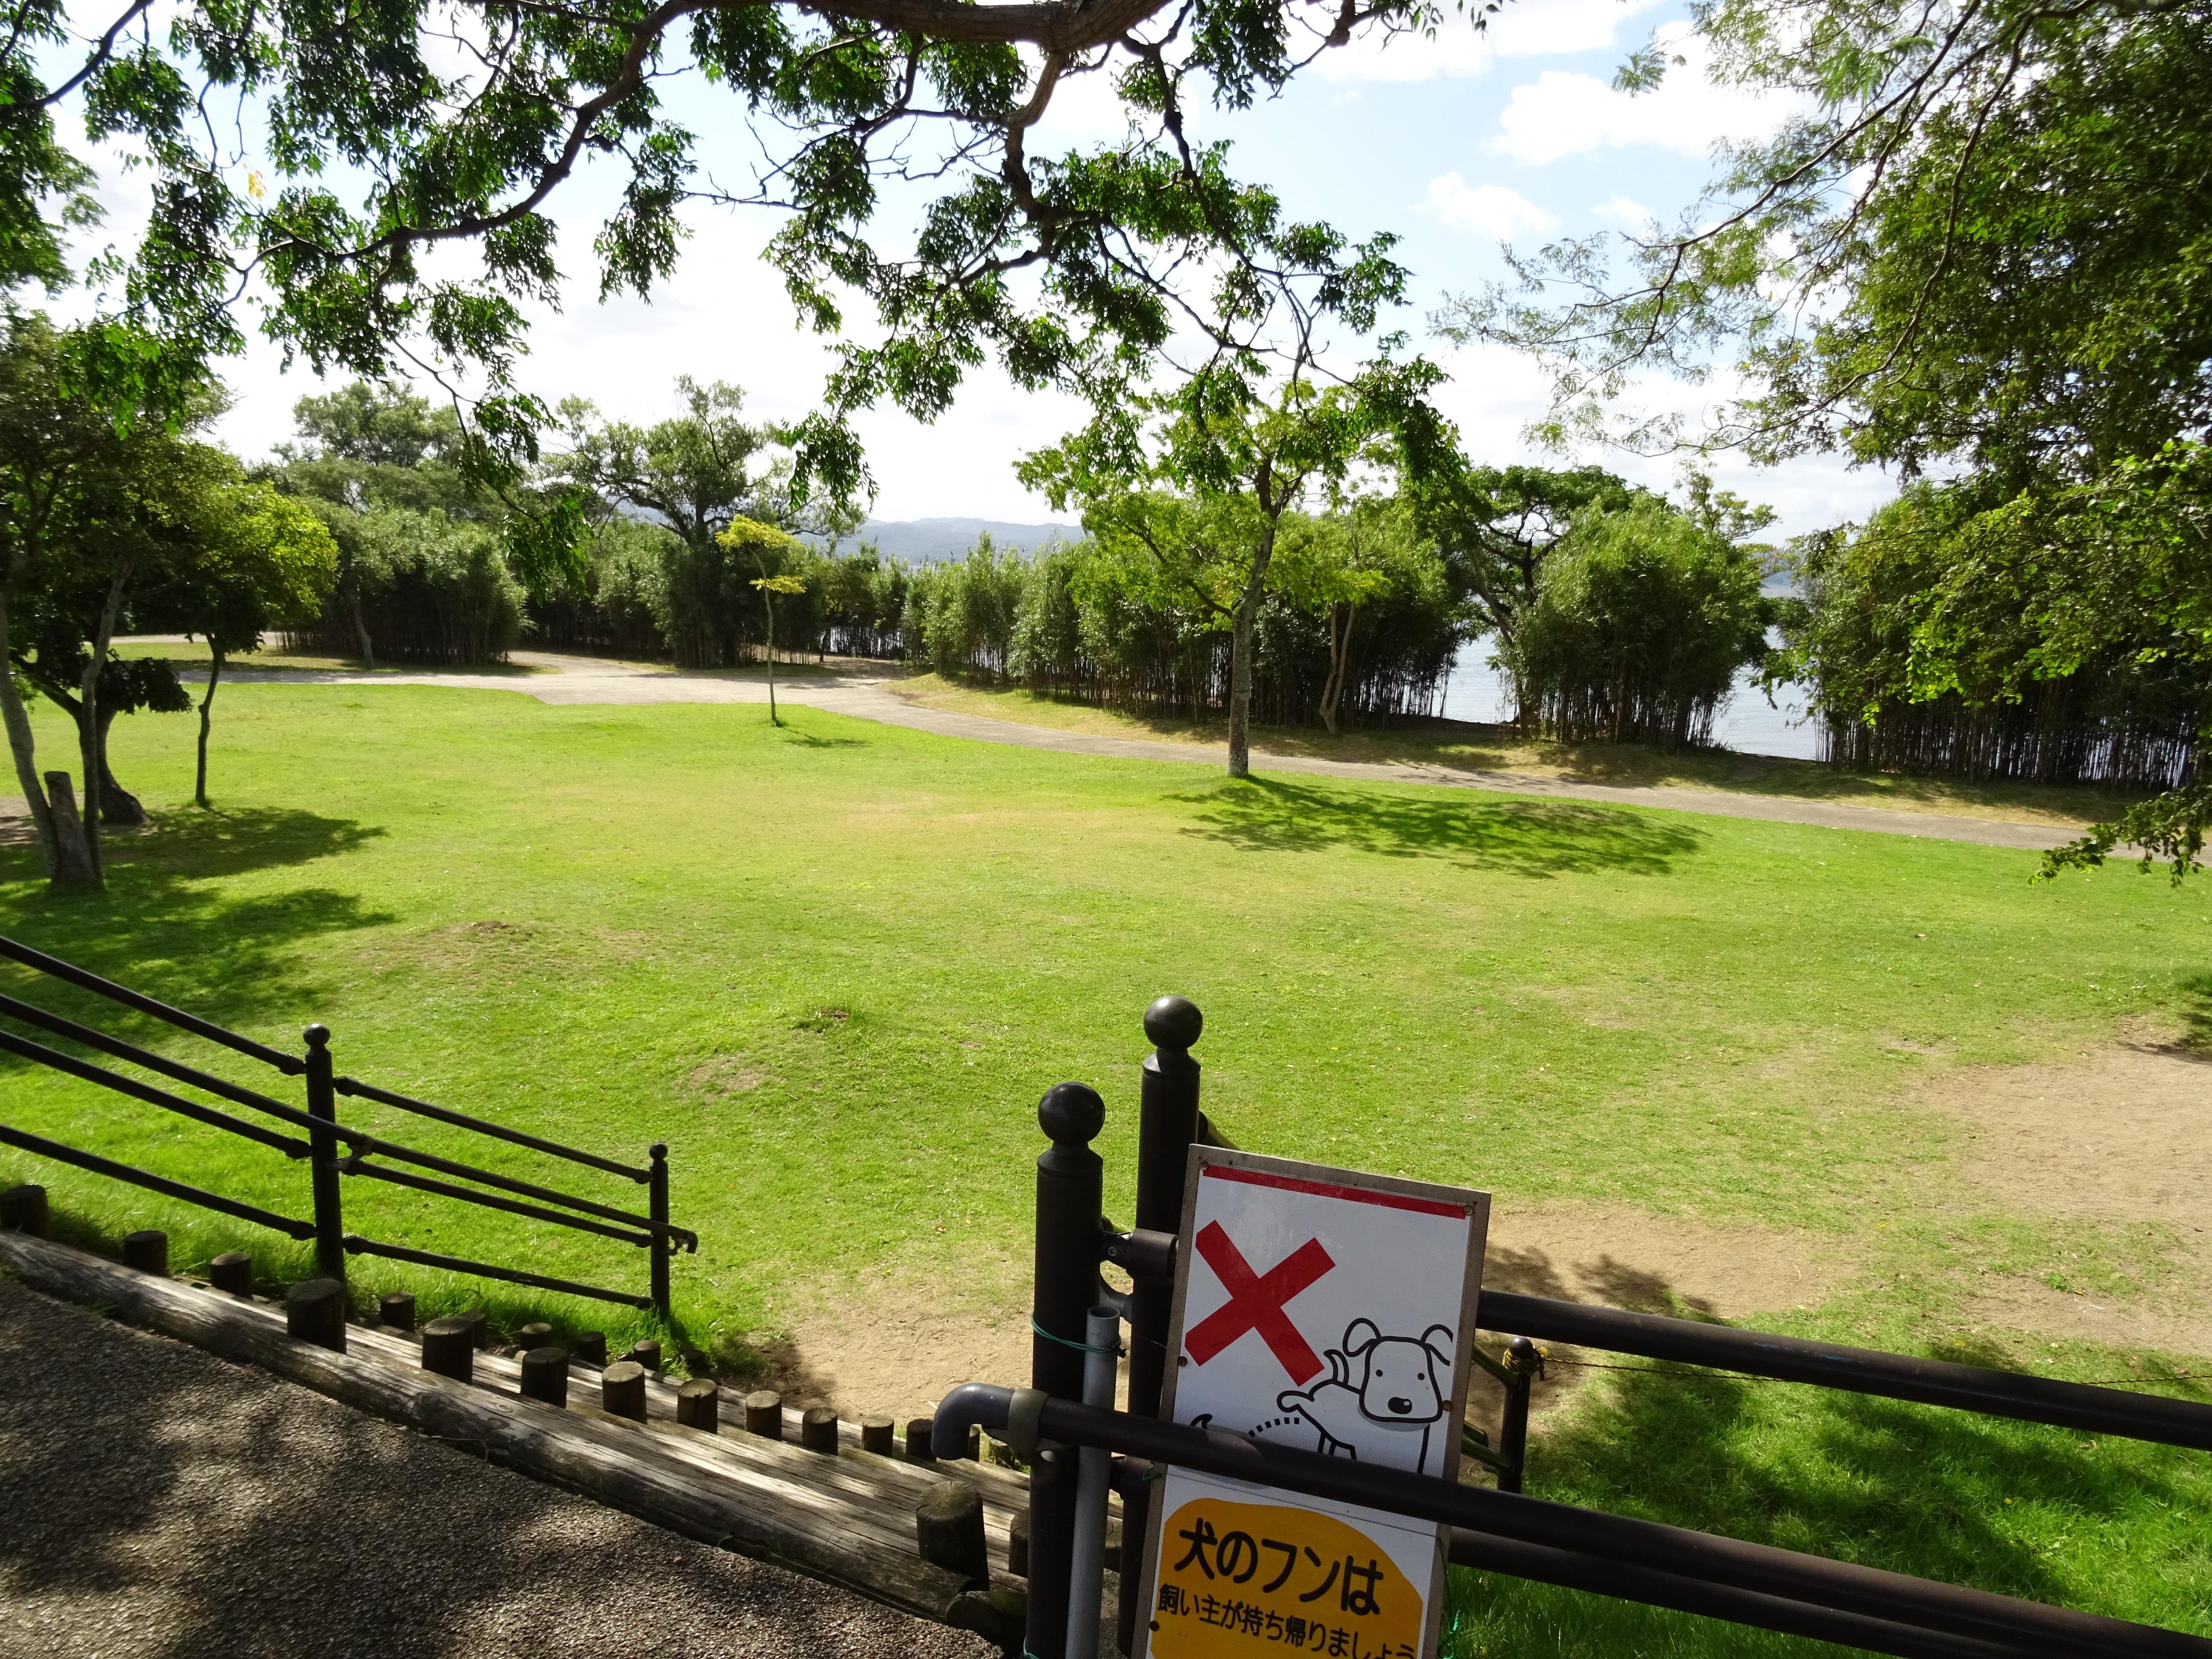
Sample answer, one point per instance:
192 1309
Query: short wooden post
818 1430
536 1334
949 1525
546 1375
449 1348
876 1435
147 1251
314 1311
1017 1544
622 1390
474 1318
232 1271
590 1348
699 1405
396 1308
764 1413
647 1353
24 1209
917 1441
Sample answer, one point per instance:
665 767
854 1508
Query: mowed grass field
834 966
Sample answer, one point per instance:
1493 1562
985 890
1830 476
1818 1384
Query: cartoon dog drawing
1383 1396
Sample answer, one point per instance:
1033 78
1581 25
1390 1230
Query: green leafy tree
98 515
763 546
698 473
266 556
1198 481
381 146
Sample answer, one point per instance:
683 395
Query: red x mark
1255 1301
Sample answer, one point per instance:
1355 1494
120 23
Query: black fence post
657 1188
1523 1364
323 1159
1167 1124
1069 1182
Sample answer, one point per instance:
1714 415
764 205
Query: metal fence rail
2003 1624
2120 1412
652 1231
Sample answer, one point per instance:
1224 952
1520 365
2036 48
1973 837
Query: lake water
1746 722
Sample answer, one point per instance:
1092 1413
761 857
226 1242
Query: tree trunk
215 673
1240 658
774 719
91 735
74 867
63 858
1340 660
117 804
361 633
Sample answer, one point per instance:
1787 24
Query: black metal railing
1501 1529
328 1166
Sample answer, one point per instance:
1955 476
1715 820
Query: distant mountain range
931 541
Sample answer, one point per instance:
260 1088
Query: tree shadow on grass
168 927
1535 838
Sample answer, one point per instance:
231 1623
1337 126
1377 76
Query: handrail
2121 1412
354 1166
290 1065
2058 1632
348 1086
32 1015
363 1144
59 1062
40 1146
356 1245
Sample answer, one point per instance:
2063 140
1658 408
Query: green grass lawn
835 965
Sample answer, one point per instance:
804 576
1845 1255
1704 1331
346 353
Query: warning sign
1240 1579
1332 1311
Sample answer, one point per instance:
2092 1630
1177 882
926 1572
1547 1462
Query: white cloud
1622 211
1501 212
1528 28
1560 113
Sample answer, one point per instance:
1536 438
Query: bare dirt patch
1626 1257
2117 1133
727 1074
887 1346
2173 1326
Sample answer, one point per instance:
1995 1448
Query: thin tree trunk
361 633
117 804
23 748
215 673
75 868
1240 658
774 719
90 737
1339 660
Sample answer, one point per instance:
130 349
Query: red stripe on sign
1328 1189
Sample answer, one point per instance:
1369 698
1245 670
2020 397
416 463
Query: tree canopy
388 133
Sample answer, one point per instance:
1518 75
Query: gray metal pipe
1087 1560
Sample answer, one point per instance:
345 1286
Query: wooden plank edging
536 1439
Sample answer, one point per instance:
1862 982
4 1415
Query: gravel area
157 1502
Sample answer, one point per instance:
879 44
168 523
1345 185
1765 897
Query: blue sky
1453 144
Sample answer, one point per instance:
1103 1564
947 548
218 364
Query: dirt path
157 1502
569 680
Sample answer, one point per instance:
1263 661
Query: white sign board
1331 1311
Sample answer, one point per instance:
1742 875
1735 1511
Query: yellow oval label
1240 1580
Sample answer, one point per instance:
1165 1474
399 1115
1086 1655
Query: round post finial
658 1152
318 1036
1173 1023
1073 1114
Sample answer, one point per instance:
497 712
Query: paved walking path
865 694
156 1503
